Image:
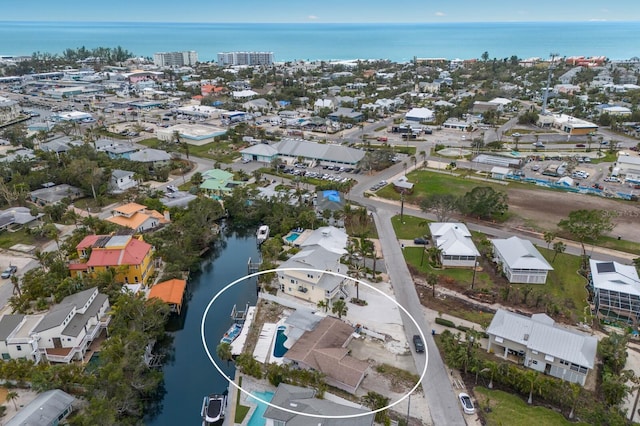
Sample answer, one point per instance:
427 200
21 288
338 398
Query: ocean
309 41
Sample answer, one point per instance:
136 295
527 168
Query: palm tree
516 139
424 158
223 351
357 272
339 308
549 237
531 378
432 280
13 396
558 247
323 305
576 390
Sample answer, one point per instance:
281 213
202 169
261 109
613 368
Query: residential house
218 182
48 408
325 349
17 217
330 238
129 256
455 244
520 261
8 324
304 401
329 200
66 331
323 103
170 292
616 290
53 194
121 180
318 278
261 104
120 150
152 157
137 217
538 343
403 185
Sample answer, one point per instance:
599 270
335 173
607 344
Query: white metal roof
520 254
614 276
541 334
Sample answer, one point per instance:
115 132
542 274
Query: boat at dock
213 409
232 333
262 234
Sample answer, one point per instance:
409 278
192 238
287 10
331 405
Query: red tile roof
132 254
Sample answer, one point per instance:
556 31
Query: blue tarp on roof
331 195
217 103
284 103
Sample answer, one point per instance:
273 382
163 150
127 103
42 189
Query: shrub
445 322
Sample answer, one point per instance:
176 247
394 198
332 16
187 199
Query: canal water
188 373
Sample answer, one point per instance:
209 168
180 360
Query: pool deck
302 236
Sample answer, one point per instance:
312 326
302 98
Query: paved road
443 403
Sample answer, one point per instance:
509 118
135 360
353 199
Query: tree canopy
483 202
587 225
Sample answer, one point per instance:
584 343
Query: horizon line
590 20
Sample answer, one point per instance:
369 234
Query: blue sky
321 11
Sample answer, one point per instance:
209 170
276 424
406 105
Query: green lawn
222 151
564 283
607 158
616 244
507 409
410 227
8 239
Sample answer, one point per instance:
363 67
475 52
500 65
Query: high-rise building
245 58
175 59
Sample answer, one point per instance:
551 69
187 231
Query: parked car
580 145
535 167
420 241
383 139
418 343
467 404
7 273
538 144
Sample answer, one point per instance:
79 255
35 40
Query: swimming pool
256 418
279 349
292 237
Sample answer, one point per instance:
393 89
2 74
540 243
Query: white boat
213 409
262 234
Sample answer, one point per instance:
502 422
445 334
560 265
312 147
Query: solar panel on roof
606 267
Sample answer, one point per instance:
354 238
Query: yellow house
137 217
129 256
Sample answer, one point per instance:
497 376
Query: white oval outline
317 416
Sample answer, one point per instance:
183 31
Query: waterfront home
216 182
48 408
314 286
325 349
520 261
170 292
130 258
616 290
304 400
538 343
137 217
61 335
455 244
